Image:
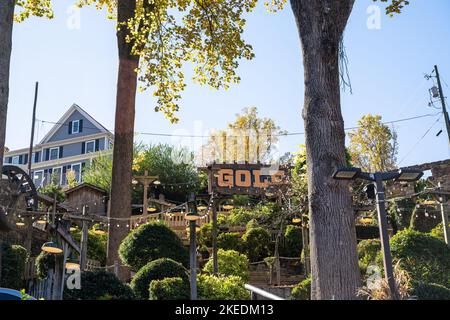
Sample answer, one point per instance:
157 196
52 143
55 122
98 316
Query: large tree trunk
334 263
6 27
123 138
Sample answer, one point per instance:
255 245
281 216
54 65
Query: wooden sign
249 179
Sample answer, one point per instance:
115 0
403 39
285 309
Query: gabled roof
66 116
85 185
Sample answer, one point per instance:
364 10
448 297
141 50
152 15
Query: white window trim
78 128
42 179
81 168
60 174
85 146
50 153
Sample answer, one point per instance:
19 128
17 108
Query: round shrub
230 263
302 291
257 242
425 257
230 241
156 270
44 262
99 285
293 241
14 258
149 242
430 291
169 289
221 288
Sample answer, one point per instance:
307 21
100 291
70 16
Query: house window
38 178
90 146
15 160
76 168
75 126
54 153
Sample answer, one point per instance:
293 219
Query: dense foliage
221 288
99 285
302 291
99 172
425 257
430 291
14 258
423 218
257 242
96 248
149 242
156 270
293 244
204 236
368 251
438 231
230 263
230 241
169 289
44 262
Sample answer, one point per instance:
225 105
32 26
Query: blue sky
386 65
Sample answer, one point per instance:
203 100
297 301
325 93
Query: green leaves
38 8
395 7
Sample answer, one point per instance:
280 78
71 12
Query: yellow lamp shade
228 206
51 247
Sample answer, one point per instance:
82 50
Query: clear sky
78 64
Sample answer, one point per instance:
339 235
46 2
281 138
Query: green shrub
302 291
204 236
438 231
421 219
44 262
230 241
149 242
293 244
257 242
14 258
368 251
230 263
169 289
99 285
402 211
221 288
430 291
97 246
156 270
367 232
425 257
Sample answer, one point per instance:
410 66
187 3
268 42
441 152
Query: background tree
373 146
154 39
249 138
321 25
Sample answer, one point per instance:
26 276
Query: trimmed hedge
99 285
156 270
14 258
221 288
149 242
230 241
430 291
425 257
169 289
302 291
257 244
230 263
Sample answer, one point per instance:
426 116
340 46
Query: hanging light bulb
72 264
152 208
296 219
228 206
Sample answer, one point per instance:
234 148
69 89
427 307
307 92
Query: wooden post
84 241
224 147
214 237
145 202
444 219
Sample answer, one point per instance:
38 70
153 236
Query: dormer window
76 126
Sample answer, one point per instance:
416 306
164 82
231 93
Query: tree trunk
334 263
123 137
6 27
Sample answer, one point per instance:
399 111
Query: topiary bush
156 270
293 244
14 258
44 262
99 285
169 289
149 242
230 263
424 257
257 243
430 291
302 291
221 288
230 241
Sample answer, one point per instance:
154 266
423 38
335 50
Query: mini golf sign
251 179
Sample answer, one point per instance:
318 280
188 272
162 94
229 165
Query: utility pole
84 240
442 97
33 122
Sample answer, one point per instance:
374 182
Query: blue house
70 145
